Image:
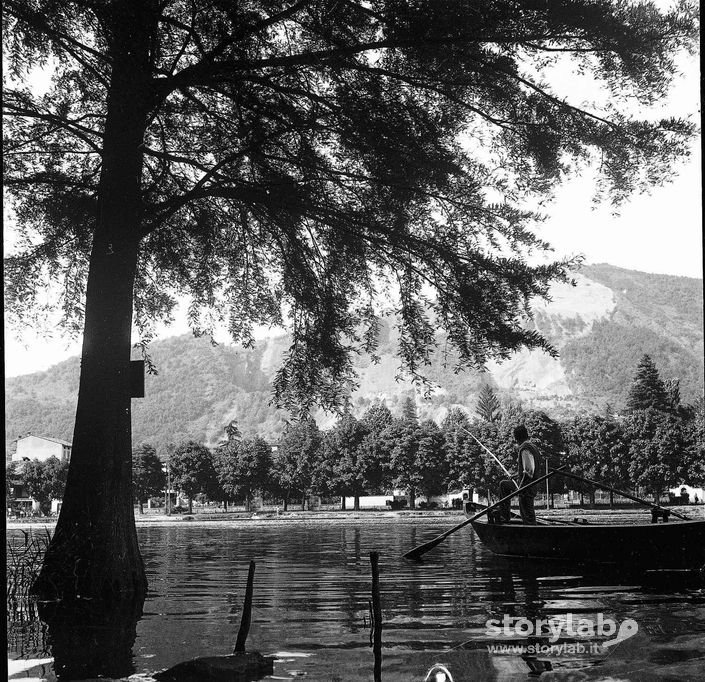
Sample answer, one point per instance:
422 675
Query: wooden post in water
239 665
246 612
376 618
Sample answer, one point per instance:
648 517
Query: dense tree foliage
285 164
375 447
455 427
377 417
344 457
192 470
409 413
243 467
647 389
694 469
232 432
44 481
10 478
298 458
148 476
597 448
351 122
656 449
417 461
431 462
488 406
648 450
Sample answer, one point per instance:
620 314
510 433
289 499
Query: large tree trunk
356 503
94 550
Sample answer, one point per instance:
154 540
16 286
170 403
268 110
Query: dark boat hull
660 545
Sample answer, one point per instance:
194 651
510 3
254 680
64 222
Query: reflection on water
312 592
92 638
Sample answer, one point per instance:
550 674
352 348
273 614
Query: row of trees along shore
289 166
654 444
43 481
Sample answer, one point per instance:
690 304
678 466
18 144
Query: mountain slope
601 328
655 314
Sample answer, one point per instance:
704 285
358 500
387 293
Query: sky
660 232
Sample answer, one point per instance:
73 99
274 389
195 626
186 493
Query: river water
311 607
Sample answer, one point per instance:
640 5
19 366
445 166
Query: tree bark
94 551
342 502
356 505
412 498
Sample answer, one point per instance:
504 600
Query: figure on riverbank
529 468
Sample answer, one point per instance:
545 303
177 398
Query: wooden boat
675 544
678 544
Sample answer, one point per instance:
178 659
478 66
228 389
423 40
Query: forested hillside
655 314
602 328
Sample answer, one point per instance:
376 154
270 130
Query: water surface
311 605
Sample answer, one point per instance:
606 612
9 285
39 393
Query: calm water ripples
311 604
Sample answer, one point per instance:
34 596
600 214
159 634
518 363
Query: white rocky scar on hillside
570 314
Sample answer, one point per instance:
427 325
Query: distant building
687 494
41 448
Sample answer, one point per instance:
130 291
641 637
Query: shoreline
267 518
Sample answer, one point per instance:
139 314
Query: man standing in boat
529 462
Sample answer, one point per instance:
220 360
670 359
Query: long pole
496 459
597 484
419 551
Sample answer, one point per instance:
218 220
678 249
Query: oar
419 551
597 484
